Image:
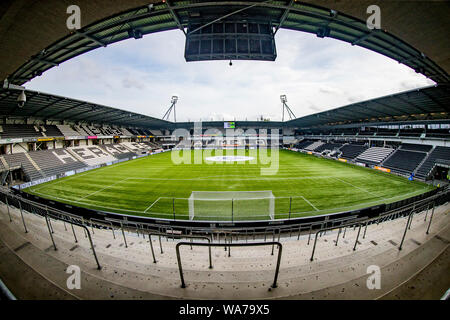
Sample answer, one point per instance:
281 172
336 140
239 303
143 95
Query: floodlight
283 98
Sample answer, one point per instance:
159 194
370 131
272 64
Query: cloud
142 75
132 83
315 108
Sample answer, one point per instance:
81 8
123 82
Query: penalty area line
154 202
310 203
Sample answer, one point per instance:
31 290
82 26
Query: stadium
98 202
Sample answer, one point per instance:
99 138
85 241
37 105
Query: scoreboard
229 125
229 40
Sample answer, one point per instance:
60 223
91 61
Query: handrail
277 268
5 292
180 236
368 220
239 230
57 215
159 234
88 234
102 222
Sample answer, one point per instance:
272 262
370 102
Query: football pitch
155 186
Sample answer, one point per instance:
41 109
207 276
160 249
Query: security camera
21 99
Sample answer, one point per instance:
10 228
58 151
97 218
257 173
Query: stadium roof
429 103
51 107
34 36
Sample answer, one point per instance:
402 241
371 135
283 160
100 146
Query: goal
231 205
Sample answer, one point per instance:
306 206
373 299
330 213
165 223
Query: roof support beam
373 109
51 63
121 114
364 37
6 95
101 113
413 58
284 16
249 6
45 107
388 106
411 104
122 117
89 37
65 110
175 16
327 115
436 101
366 115
83 112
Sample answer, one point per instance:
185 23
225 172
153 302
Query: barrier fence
241 236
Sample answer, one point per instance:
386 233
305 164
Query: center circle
229 158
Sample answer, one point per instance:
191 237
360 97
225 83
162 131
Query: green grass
147 186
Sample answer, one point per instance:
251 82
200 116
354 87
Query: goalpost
232 205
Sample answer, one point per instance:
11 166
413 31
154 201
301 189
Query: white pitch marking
372 193
160 213
310 203
154 202
95 192
82 174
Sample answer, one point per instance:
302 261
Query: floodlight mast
173 102
291 115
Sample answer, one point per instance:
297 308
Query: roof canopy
36 37
429 103
50 107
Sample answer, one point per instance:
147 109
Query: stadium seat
19 131
51 131
303 144
404 162
57 161
351 151
21 160
91 155
67 130
328 146
314 145
118 151
416 147
374 155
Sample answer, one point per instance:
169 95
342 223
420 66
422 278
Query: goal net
231 205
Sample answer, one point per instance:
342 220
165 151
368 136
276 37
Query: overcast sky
315 74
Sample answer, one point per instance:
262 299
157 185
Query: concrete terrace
32 269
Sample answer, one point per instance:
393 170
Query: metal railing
255 244
48 214
236 234
402 212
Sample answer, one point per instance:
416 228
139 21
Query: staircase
425 159
35 165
